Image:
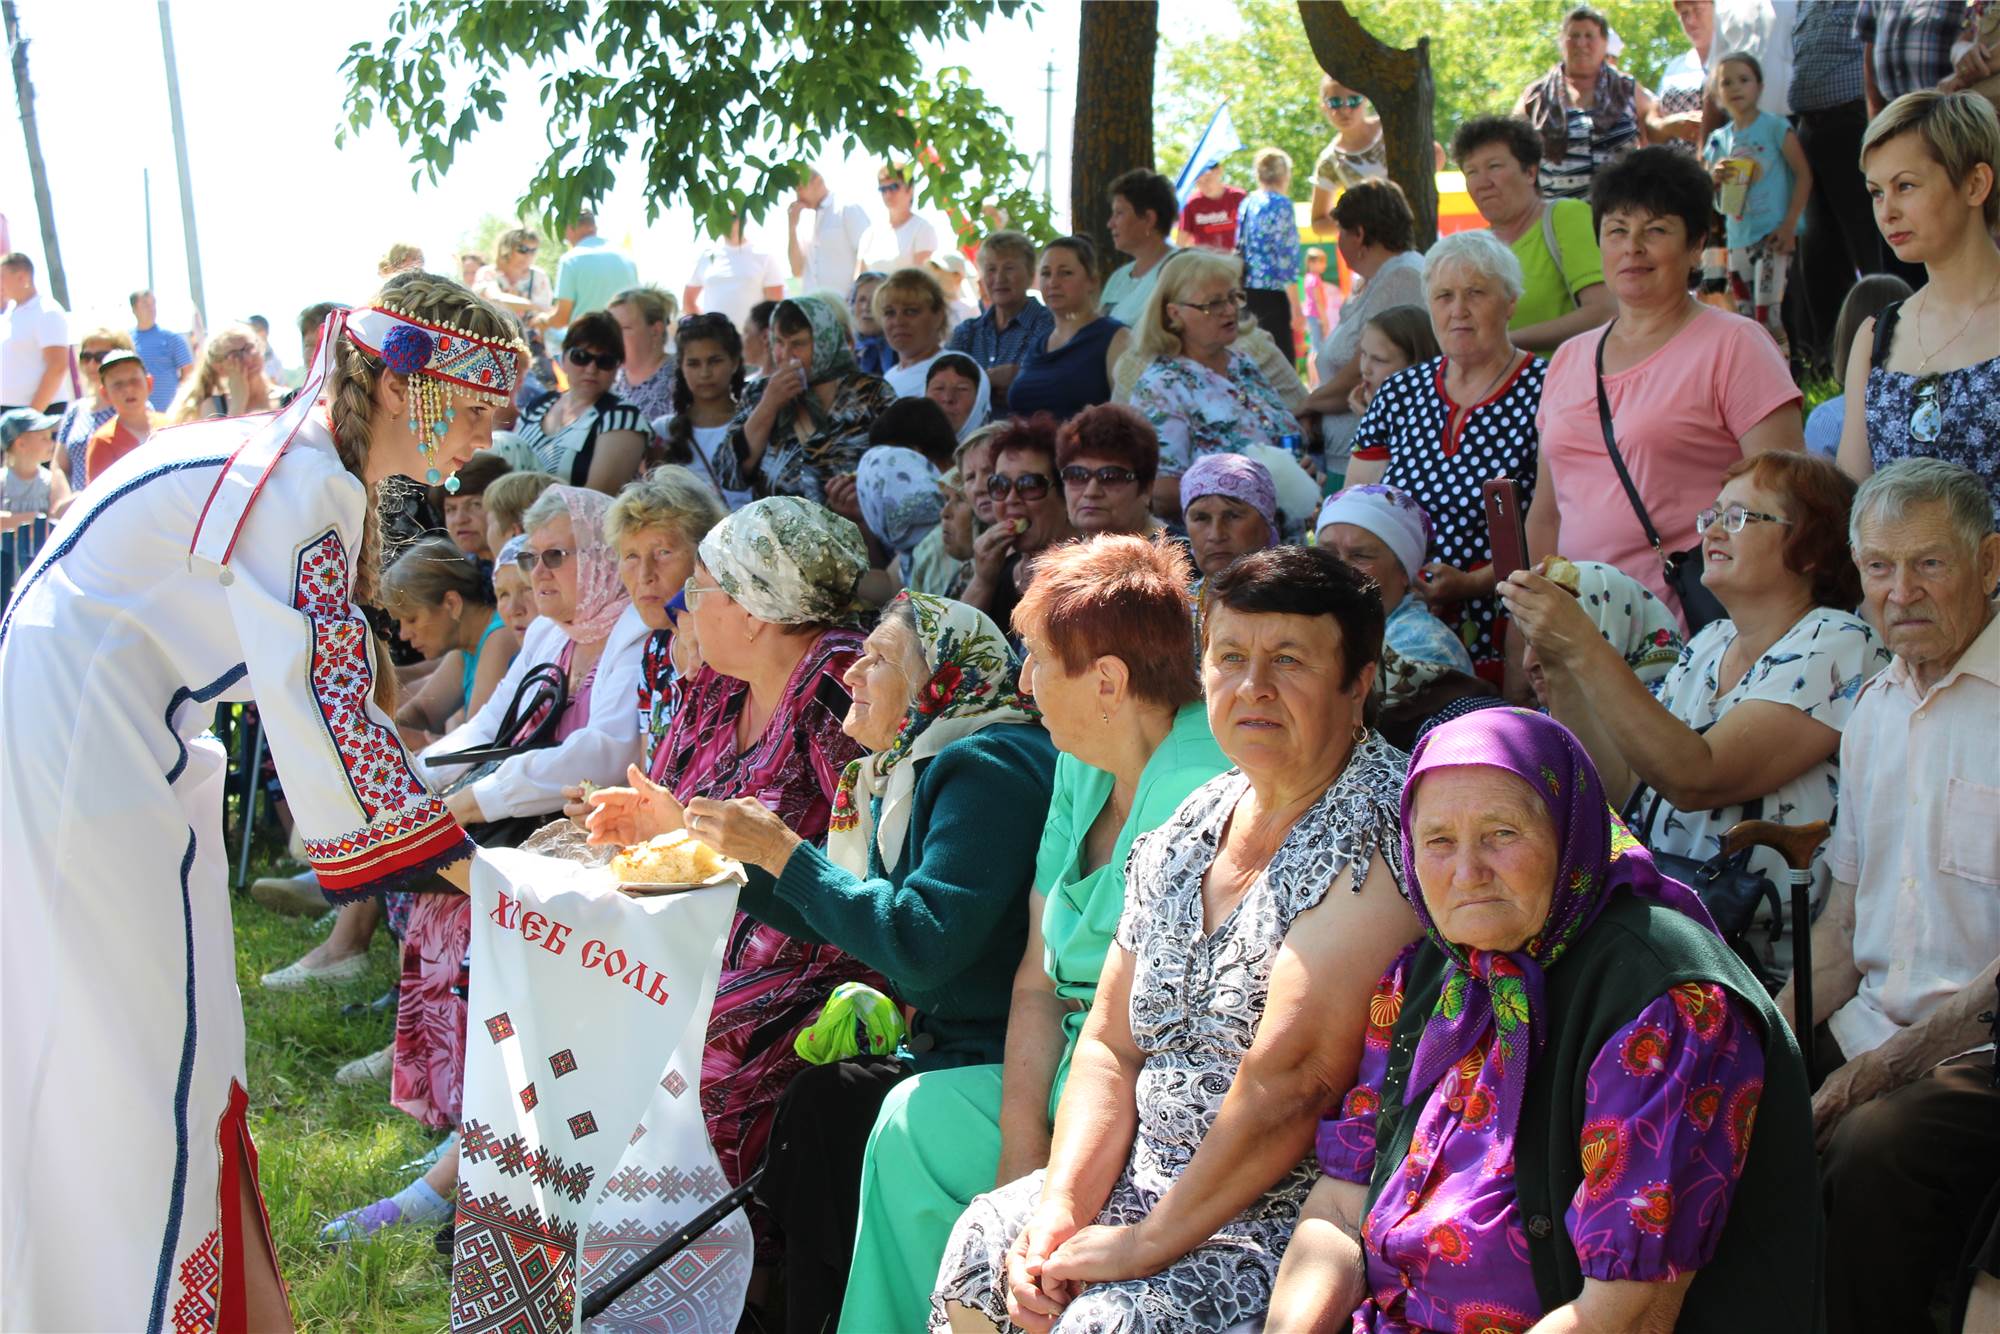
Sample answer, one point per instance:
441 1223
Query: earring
1360 733
1103 717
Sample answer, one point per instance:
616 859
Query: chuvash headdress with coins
443 363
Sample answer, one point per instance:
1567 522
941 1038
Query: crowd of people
1303 896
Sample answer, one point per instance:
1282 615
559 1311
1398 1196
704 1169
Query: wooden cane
1796 844
599 1301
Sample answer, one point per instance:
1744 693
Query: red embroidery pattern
406 825
200 1304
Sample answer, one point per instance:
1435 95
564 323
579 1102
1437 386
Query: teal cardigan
947 926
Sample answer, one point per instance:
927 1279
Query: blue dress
1068 380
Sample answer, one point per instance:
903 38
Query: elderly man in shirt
1906 953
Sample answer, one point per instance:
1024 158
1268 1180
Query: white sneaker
294 976
367 1069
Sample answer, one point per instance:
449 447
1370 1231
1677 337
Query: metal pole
24 93
146 186
1049 138
181 161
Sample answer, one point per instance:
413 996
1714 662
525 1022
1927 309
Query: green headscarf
833 354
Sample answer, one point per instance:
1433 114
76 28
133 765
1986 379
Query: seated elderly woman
896 482
1201 394
1439 429
1231 508
916 880
1628 617
1552 1127
1111 666
1233 998
807 422
1029 516
1383 533
1747 724
957 383
1107 457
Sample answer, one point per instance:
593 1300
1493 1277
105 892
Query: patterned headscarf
1390 514
972 685
600 594
833 355
1237 477
1630 618
1504 992
898 491
786 560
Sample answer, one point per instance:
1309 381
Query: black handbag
544 689
1683 568
1726 884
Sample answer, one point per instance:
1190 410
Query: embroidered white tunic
121 1079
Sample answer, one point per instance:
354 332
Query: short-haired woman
1377 242
1233 999
511 281
646 380
1107 457
1586 109
1200 393
586 434
443 608
1005 337
807 422
1922 379
1267 241
1690 388
1114 678
1144 208
1562 273
1437 431
1075 364
911 308
1029 516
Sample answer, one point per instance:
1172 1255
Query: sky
285 218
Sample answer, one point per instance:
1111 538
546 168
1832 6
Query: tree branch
1398 82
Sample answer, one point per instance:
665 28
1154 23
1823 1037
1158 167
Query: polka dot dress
1439 453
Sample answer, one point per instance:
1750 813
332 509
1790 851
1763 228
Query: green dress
936 1143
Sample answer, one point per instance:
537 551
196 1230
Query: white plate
732 872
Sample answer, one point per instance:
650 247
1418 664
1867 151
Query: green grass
323 1149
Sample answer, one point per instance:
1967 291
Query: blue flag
1217 142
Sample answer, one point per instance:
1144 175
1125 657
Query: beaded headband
443 362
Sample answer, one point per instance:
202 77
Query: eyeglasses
1226 302
692 593
582 356
1078 475
1028 486
526 249
1344 103
1733 519
550 560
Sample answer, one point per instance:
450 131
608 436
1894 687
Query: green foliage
721 104
1483 53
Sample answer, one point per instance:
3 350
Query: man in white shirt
732 276
905 241
1906 954
829 261
34 342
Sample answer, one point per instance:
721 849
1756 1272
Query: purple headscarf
1237 477
1598 858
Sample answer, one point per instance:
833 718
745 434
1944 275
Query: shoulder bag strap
1885 332
1554 247
1617 460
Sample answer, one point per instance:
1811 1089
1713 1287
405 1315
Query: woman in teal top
444 609
1111 666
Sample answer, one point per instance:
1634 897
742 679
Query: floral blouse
1670 1103
1198 412
1267 236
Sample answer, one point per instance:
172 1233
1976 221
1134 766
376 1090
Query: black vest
1766 1272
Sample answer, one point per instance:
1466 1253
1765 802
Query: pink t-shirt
1679 417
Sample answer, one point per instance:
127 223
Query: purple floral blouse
1671 1101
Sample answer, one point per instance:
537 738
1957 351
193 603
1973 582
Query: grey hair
1967 503
1481 252
548 505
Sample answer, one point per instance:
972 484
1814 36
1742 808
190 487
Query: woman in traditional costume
221 563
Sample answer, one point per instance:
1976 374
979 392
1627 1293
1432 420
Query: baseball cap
17 422
117 357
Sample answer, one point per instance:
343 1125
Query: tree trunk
1398 82
24 93
1114 108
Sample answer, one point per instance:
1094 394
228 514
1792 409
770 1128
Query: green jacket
1765 1275
948 925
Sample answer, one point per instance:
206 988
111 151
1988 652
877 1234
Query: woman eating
1230 508
916 880
1233 998
1553 1123
708 384
586 434
646 379
1201 394
1029 516
1636 625
1075 366
910 307
1437 431
1113 675
807 422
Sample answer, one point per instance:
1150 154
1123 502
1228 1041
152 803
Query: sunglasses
582 356
1344 103
1028 486
550 560
890 187
527 249
90 356
1078 475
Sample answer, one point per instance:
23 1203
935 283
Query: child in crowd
31 492
1762 183
1397 339
126 386
1865 300
708 385
871 346
1322 298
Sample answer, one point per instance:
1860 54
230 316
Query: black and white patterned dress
1439 453
1197 999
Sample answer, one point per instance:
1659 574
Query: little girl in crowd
1762 182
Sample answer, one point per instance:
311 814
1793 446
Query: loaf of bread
671 859
1563 575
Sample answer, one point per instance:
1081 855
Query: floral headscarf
1504 992
1238 477
833 355
1630 618
600 594
972 685
898 491
786 560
